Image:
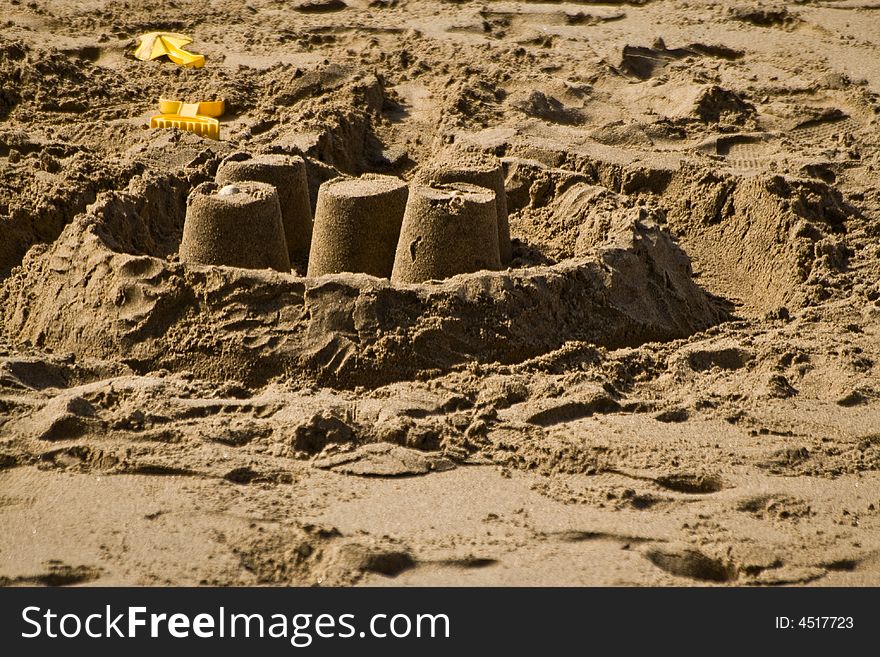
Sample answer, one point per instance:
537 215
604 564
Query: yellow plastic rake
170 44
197 118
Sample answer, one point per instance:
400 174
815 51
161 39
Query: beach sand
676 380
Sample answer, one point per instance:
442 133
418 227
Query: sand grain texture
357 225
673 380
288 175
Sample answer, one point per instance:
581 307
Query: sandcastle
256 326
475 168
357 224
288 175
237 225
447 230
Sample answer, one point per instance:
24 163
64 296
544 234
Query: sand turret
447 230
357 224
476 168
237 225
287 174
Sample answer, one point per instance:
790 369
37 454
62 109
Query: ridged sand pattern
357 223
236 225
447 230
476 168
287 174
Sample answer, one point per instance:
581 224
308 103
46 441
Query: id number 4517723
814 623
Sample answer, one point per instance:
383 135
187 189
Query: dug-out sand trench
108 288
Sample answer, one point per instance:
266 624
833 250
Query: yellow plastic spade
213 108
170 44
197 118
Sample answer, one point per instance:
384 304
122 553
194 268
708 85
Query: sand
447 230
475 168
238 225
288 175
357 225
675 382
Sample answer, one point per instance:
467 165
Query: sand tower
237 225
357 223
287 174
455 165
447 230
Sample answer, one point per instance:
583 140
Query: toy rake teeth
198 118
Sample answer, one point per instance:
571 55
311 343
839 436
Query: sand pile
762 241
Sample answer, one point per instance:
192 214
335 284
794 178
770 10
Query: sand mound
766 242
759 241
